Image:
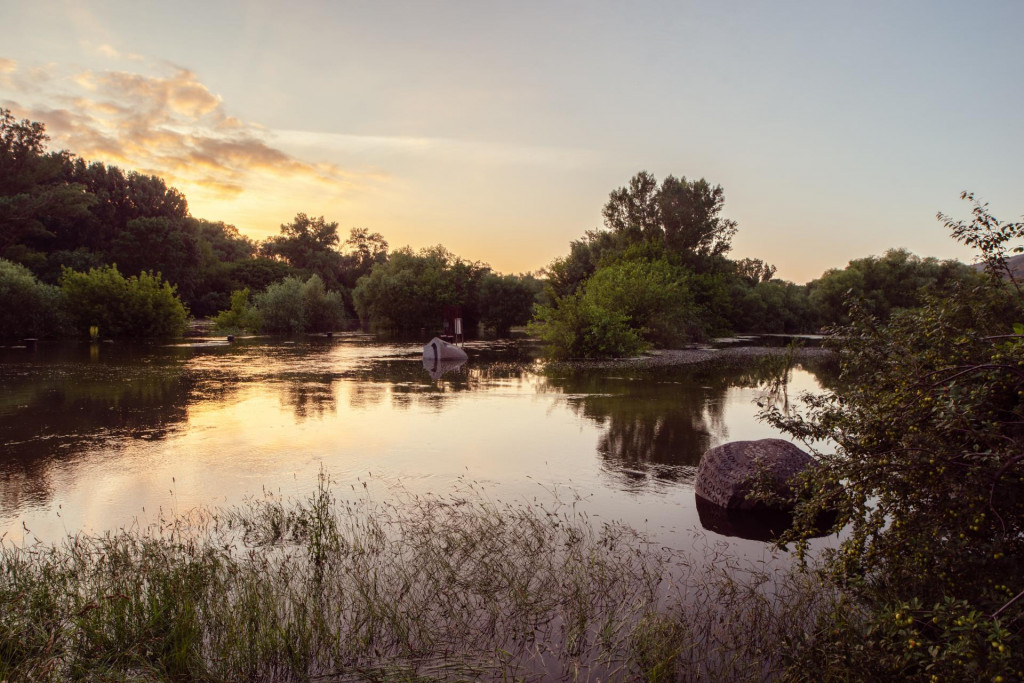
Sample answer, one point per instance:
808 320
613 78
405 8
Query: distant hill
1015 263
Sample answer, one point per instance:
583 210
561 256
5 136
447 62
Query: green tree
163 245
578 328
241 316
364 250
309 245
410 290
507 300
621 310
33 190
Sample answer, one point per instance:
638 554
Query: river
97 437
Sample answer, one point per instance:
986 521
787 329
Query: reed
452 587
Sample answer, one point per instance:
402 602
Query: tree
691 219
164 245
364 250
310 245
754 270
684 215
294 307
623 309
241 316
897 280
33 190
507 300
920 453
410 290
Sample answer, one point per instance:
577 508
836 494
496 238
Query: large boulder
727 473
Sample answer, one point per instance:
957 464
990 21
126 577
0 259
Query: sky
837 129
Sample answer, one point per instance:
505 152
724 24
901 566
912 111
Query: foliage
507 300
989 236
28 308
882 285
920 452
138 306
241 316
577 328
754 270
294 306
364 250
409 290
680 220
770 306
33 190
309 245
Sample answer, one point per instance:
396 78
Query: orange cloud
173 126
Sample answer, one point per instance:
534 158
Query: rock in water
727 473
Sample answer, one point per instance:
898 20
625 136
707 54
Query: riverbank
663 358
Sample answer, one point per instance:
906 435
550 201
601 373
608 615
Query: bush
28 308
293 307
921 453
621 310
242 316
139 306
507 300
577 328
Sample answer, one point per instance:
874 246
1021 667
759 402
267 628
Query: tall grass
449 587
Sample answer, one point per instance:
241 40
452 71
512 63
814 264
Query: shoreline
682 357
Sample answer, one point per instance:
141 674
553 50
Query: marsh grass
449 587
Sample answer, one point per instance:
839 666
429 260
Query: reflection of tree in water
310 396
408 383
658 422
59 412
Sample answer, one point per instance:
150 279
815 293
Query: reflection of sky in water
95 443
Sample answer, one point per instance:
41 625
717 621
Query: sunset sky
837 130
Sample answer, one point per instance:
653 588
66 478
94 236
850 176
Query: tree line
657 273
65 221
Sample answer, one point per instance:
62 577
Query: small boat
438 350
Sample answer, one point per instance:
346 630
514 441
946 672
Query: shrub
241 316
28 308
292 306
621 310
577 328
410 290
921 453
139 306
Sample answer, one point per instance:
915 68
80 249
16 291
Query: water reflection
225 414
437 368
658 423
755 525
62 403
310 397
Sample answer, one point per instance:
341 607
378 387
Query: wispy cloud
169 124
111 52
472 151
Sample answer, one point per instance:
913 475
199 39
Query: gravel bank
675 357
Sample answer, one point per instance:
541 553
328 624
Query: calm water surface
96 437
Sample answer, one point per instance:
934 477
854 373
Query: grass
432 588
